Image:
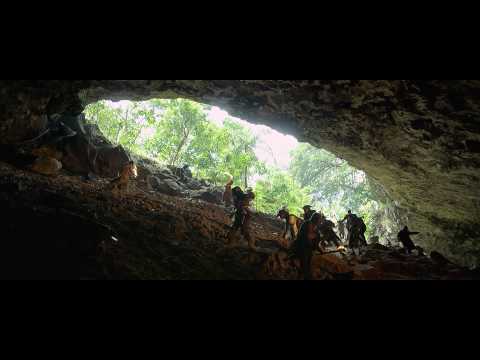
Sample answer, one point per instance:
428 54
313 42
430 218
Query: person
327 233
362 229
341 230
292 225
129 171
404 237
308 212
347 222
350 219
185 173
227 194
242 217
306 240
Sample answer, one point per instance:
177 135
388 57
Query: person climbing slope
242 217
292 225
227 194
308 236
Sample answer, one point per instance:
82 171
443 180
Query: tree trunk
179 149
246 177
119 134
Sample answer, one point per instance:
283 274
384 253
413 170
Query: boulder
329 263
109 160
209 195
169 187
48 151
47 166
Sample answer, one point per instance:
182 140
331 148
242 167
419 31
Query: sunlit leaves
338 187
178 132
279 189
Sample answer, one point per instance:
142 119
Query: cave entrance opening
215 145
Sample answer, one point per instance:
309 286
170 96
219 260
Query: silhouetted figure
362 229
327 234
404 237
227 194
186 173
308 212
349 219
241 201
341 230
356 229
307 237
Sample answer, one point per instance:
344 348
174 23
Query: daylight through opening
216 146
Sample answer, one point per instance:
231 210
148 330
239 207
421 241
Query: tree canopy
178 132
339 187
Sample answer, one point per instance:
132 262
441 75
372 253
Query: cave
418 138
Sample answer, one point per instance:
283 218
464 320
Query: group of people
315 232
306 234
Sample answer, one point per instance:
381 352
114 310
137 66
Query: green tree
177 132
241 160
279 189
338 187
179 123
121 125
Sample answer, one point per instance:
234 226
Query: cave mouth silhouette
418 138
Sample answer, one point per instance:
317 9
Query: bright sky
273 147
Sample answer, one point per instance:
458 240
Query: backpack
296 249
237 195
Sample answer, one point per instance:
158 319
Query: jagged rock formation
419 138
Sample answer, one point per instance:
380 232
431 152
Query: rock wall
419 138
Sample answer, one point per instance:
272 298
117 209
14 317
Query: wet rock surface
419 138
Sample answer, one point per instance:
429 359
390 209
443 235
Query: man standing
292 225
243 215
307 237
404 237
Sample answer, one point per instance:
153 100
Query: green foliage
279 189
179 123
178 132
217 151
122 125
338 187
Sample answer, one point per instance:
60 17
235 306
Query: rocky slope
71 227
419 138
136 235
